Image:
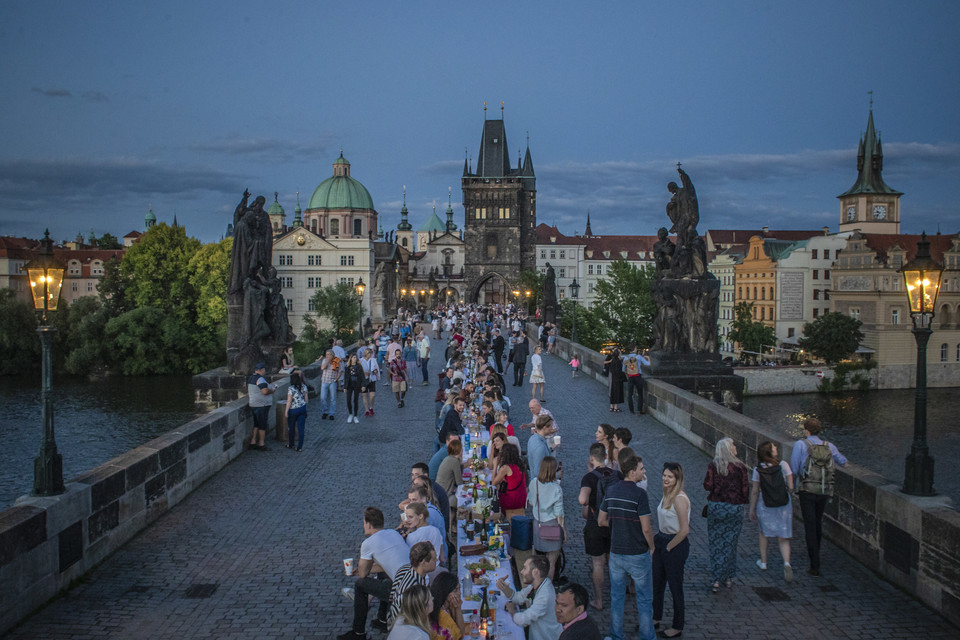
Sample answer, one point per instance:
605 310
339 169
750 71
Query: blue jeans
380 356
328 397
296 420
423 368
640 568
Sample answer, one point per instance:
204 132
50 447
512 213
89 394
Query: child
575 365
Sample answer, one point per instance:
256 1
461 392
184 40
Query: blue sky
113 107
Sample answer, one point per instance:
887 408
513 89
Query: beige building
723 266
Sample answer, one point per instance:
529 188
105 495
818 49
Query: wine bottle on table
484 606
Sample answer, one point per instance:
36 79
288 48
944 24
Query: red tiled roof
133 234
18 248
884 242
632 245
546 235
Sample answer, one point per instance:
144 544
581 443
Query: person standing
770 503
328 385
259 399
296 411
398 376
371 373
813 463
672 548
727 488
354 381
341 353
540 616
538 446
613 368
423 353
596 539
626 510
537 381
545 497
521 350
499 344
634 375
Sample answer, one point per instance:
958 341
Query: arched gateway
493 289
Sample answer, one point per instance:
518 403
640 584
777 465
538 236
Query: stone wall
47 543
912 542
762 381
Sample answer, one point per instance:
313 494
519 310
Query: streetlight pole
46 277
922 277
575 294
359 288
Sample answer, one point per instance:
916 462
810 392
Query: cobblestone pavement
256 551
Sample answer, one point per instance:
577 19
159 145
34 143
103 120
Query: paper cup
556 441
348 566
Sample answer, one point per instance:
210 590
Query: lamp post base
48 473
918 476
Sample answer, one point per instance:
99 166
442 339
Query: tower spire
404 223
870 162
451 227
588 232
297 217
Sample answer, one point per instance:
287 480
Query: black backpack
773 488
604 481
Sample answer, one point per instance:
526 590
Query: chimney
766 230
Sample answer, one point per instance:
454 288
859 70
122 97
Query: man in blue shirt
626 510
260 400
537 446
813 496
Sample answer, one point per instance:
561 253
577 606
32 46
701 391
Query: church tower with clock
870 205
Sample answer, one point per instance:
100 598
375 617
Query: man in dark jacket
520 353
571 610
499 344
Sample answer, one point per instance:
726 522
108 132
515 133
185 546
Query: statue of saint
663 250
252 242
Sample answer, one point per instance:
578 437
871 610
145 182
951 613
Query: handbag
547 532
703 514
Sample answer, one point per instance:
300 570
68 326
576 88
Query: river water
93 421
874 428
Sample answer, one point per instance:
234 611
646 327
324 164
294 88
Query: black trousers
498 358
811 507
353 401
635 385
518 369
378 587
668 570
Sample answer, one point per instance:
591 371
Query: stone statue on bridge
550 295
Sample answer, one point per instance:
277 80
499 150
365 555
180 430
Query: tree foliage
337 312
157 268
591 331
747 332
106 241
532 280
19 345
624 304
832 337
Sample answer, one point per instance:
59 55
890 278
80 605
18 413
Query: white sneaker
762 565
352 418
787 573
348 593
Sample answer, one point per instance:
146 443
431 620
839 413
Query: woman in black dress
613 367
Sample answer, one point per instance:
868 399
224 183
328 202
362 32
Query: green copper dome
276 209
340 191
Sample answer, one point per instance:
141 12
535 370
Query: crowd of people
407 568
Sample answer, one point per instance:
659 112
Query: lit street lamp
922 277
359 288
46 277
574 293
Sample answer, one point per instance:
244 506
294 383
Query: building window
791 332
943 352
310 304
599 269
771 293
854 312
895 316
826 274
346 261
285 260
334 226
481 213
958 352
348 281
563 254
896 284
590 290
563 272
816 313
826 254
504 213
314 260
289 302
313 283
813 254
763 313
826 294
543 254
357 227
403 241
589 269
553 254
754 293
287 282
75 286
816 274
740 293
816 294
763 293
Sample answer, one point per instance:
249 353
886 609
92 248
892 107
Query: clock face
301 240
880 212
851 212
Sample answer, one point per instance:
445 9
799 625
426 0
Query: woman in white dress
536 373
776 521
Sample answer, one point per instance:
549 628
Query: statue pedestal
701 373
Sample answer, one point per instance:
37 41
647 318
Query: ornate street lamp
46 277
359 289
922 277
574 293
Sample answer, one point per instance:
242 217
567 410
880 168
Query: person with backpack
770 504
596 539
813 462
631 369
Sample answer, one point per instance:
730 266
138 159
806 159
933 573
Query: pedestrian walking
613 369
259 399
355 383
672 548
296 411
398 377
770 504
574 365
371 372
423 355
634 378
521 350
727 488
813 464
537 381
328 385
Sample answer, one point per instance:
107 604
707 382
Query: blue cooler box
521 533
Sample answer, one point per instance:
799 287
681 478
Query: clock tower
870 205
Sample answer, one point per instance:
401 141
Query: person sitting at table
420 474
420 491
571 612
423 561
545 497
440 455
504 420
446 619
415 516
413 623
382 553
497 440
510 482
541 615
487 417
450 473
453 422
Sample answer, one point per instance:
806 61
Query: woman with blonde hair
727 484
413 623
671 548
537 381
545 497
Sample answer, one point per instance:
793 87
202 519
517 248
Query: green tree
208 272
112 288
106 241
157 267
531 280
336 306
86 344
591 331
19 344
747 332
833 337
624 303
147 341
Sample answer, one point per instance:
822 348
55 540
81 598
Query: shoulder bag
548 532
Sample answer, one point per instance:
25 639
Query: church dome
276 209
340 191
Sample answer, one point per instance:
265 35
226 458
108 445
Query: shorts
371 387
596 539
261 418
399 387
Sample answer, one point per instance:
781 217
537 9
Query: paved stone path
270 530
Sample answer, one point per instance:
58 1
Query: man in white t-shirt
382 553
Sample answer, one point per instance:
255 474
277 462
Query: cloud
52 93
94 96
274 148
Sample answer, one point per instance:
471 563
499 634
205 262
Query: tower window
492 246
403 241
334 227
357 227
504 213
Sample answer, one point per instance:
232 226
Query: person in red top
459 338
511 482
502 418
728 484
398 375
